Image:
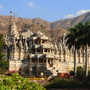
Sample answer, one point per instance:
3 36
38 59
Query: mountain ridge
54 29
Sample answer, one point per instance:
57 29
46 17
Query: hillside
33 24
55 30
71 21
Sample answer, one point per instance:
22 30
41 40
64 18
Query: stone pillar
64 56
46 62
45 42
38 68
81 58
30 71
35 50
12 52
33 41
43 50
38 60
50 61
30 60
43 60
50 50
67 56
38 42
84 58
41 42
26 46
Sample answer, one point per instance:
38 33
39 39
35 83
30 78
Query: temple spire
10 22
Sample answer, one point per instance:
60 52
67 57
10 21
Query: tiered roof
27 34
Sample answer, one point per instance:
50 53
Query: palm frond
68 36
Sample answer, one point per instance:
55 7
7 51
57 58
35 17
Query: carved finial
11 13
15 17
10 18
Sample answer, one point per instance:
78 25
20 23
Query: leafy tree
3 63
79 37
72 40
84 40
80 71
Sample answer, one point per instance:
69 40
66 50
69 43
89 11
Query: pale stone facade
34 53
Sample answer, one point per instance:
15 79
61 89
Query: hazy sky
49 10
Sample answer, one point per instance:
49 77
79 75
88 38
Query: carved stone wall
34 53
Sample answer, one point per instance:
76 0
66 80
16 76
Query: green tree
84 40
80 72
3 63
72 42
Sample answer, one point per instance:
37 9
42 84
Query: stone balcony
37 55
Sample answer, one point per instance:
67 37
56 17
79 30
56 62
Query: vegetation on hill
70 22
24 24
55 30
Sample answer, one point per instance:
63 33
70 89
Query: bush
80 71
16 82
10 72
61 83
71 72
68 84
51 79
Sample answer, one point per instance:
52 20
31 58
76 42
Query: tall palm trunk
86 60
75 68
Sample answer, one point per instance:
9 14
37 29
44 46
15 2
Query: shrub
16 82
20 72
10 72
71 72
51 79
68 84
80 71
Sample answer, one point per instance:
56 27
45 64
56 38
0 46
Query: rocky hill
71 21
55 30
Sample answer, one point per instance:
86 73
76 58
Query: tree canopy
3 62
79 37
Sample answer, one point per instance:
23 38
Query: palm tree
72 40
84 40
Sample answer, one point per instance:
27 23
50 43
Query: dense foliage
9 73
3 62
80 71
72 42
81 82
79 38
16 82
68 84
